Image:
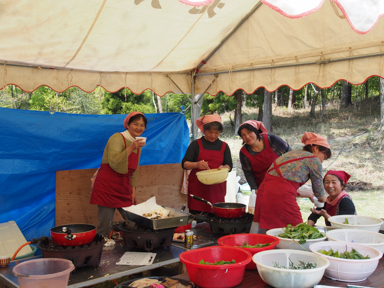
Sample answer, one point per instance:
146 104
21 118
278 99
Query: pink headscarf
257 124
126 120
311 138
344 176
207 119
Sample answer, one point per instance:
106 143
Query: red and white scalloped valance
362 15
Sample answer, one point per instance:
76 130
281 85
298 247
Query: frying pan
73 234
223 209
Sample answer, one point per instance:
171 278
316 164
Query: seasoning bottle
252 202
188 239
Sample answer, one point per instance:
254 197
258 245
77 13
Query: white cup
142 139
317 203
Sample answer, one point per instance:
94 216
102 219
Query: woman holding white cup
115 184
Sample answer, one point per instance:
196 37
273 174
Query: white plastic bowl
286 243
289 278
369 238
212 176
356 222
349 270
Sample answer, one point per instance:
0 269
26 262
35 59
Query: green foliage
124 102
256 99
219 104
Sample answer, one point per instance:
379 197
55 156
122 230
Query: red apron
332 210
213 193
276 204
113 189
261 161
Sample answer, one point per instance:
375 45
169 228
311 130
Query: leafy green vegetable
301 232
246 245
353 254
303 265
222 262
346 221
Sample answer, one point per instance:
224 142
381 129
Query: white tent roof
161 44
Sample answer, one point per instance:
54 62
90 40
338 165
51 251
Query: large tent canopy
166 45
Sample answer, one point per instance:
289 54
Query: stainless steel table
107 270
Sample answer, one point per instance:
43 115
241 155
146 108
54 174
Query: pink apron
213 193
113 189
276 204
261 161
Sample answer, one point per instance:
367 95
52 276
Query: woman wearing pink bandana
259 151
115 184
276 204
208 152
338 201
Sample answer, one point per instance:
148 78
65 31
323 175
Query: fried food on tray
168 283
144 283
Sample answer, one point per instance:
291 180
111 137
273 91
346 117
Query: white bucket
243 199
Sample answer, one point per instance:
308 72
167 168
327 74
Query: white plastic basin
289 278
356 222
369 238
349 270
286 243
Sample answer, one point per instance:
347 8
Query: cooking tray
176 218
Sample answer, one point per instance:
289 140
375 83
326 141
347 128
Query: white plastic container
369 238
289 278
286 243
317 203
349 270
142 139
252 202
356 222
243 199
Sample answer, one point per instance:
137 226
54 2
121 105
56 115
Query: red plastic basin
252 239
212 276
181 229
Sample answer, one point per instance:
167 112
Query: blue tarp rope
34 145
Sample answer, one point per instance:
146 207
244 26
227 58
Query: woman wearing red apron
208 152
276 205
338 201
259 151
115 183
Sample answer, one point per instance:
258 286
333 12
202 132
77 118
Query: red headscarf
344 176
126 120
311 138
207 119
257 124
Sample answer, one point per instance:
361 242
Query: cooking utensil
176 218
73 234
224 209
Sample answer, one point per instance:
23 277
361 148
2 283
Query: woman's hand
224 166
202 165
306 193
321 212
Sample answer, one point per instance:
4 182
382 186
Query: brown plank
73 191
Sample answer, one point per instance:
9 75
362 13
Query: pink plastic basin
252 239
212 276
46 272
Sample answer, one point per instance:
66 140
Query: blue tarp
34 145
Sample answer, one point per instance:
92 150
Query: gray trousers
105 215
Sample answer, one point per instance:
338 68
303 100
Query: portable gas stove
226 226
145 238
82 255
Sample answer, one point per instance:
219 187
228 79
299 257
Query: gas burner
144 238
226 225
82 255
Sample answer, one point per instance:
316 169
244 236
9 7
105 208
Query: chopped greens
353 254
346 221
246 245
222 262
302 265
302 232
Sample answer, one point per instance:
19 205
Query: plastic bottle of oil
252 202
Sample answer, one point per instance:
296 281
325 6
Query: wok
73 234
224 209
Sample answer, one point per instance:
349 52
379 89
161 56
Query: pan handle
201 199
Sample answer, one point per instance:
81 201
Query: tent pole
193 108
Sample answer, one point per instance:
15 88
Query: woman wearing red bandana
115 184
338 201
259 151
208 152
